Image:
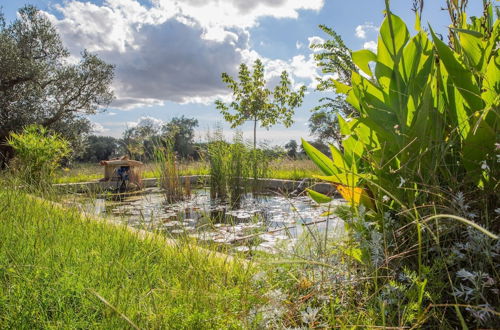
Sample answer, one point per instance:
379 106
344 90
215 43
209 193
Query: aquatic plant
169 174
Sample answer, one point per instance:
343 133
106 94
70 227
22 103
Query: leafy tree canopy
40 84
253 101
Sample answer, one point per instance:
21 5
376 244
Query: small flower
485 166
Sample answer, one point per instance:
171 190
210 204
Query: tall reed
169 173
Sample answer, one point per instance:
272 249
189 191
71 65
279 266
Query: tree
182 132
334 59
140 141
98 148
38 84
291 148
253 101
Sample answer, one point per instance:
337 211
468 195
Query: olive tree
40 83
253 101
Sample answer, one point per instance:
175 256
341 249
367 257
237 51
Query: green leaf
478 145
474 48
323 162
341 88
461 76
354 253
394 39
470 32
318 197
362 58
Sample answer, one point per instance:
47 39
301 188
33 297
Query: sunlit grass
279 169
58 269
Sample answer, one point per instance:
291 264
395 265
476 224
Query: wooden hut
114 170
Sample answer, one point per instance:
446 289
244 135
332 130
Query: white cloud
363 29
146 121
371 45
298 45
171 50
237 13
98 128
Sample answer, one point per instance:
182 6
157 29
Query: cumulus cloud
371 45
171 50
98 128
363 29
146 121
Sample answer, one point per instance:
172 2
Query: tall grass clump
218 159
232 166
419 167
38 153
169 172
238 170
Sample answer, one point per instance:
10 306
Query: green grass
58 269
279 169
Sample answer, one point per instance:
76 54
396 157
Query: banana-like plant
428 114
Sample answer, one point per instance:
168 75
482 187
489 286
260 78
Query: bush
419 167
38 153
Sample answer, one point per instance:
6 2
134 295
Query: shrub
38 153
419 167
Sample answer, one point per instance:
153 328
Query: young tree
39 85
253 101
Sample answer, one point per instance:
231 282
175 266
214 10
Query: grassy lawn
278 169
60 270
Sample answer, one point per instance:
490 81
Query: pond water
263 222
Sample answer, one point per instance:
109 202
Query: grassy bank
279 169
58 269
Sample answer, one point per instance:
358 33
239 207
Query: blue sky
169 54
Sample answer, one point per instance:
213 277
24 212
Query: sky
169 55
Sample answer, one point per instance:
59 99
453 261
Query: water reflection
276 217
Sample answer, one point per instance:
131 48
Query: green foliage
97 148
61 270
38 154
182 129
232 165
334 58
39 86
253 101
168 168
427 131
140 141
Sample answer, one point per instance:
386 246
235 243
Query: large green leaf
474 48
461 77
318 197
479 144
362 58
491 83
394 35
324 163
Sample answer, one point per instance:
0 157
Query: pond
262 222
